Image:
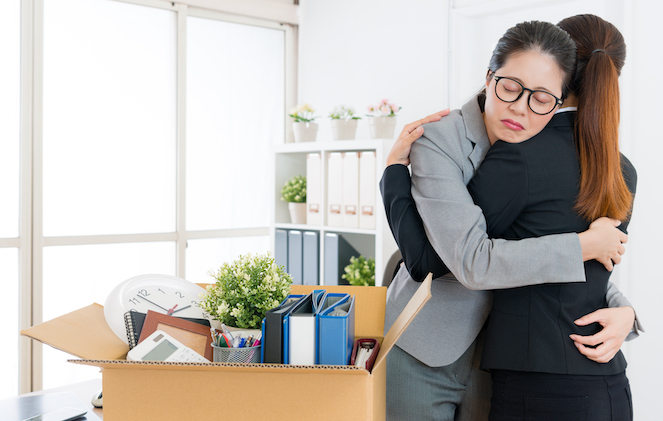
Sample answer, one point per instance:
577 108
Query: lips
513 125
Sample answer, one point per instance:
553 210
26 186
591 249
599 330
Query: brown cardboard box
196 391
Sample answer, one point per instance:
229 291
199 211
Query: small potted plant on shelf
304 127
294 192
382 119
343 122
244 290
360 271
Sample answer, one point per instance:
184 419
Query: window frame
31 241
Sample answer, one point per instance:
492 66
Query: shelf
336 145
305 227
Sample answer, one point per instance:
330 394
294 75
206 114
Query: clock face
161 293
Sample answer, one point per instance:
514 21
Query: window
144 149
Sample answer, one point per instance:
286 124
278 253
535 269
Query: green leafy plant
245 289
294 190
342 112
302 114
360 271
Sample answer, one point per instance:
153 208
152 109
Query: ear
489 75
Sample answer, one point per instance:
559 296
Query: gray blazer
443 162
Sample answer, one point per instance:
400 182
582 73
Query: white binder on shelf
367 189
351 190
314 189
335 189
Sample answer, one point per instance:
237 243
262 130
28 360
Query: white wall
357 52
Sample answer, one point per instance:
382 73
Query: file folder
367 189
336 331
295 254
314 208
335 190
311 258
271 350
281 248
337 256
301 338
351 190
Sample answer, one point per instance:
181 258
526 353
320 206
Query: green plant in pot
360 271
343 123
294 192
245 290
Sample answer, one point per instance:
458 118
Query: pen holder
236 355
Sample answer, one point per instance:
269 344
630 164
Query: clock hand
172 310
151 302
183 308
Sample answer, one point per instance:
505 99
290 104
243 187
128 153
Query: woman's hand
617 324
604 242
400 152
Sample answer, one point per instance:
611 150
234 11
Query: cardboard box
180 391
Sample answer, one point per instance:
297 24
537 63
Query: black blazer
526 190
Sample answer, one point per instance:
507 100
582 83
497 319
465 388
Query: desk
83 391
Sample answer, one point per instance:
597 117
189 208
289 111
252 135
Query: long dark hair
537 36
600 56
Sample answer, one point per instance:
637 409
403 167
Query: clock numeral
194 303
160 291
135 301
179 294
144 293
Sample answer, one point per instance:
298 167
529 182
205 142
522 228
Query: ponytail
601 53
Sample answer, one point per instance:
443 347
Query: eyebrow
540 88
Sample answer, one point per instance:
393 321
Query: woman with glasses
528 189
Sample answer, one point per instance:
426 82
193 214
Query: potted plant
294 192
343 122
382 119
244 290
304 127
360 271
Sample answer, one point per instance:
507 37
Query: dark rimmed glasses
540 102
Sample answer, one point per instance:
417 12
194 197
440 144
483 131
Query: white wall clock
161 293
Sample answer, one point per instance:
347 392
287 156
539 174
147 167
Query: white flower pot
297 212
382 127
305 132
344 129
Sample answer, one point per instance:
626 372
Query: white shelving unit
290 160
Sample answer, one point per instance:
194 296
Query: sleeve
406 225
615 298
456 228
500 187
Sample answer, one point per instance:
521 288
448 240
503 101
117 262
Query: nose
520 107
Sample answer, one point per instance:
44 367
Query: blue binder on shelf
336 329
299 327
311 258
281 248
295 255
271 350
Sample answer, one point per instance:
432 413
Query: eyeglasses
540 102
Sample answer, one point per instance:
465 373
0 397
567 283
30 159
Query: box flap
369 306
416 303
83 333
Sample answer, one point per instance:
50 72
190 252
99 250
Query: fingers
607 263
623 238
601 354
429 119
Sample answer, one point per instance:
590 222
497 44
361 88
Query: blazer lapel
475 131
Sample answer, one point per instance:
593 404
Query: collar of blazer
475 130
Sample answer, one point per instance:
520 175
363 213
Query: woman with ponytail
548 356
559 181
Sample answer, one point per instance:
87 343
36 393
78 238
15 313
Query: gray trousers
459 391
